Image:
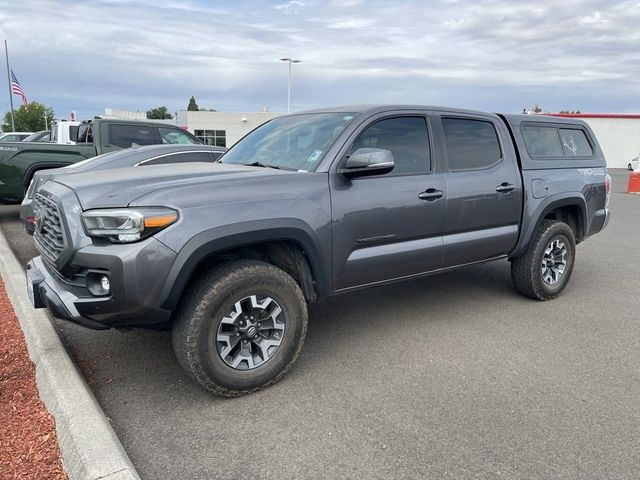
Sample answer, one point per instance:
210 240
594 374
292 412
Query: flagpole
6 53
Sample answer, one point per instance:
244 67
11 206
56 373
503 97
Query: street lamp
290 60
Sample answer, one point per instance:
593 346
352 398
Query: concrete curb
89 446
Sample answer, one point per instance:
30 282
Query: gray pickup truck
307 206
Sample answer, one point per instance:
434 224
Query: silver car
130 157
634 164
13 136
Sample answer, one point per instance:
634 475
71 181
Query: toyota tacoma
307 206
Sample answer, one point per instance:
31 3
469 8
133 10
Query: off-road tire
206 303
526 273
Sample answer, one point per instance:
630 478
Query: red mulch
28 442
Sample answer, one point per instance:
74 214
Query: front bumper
48 292
136 273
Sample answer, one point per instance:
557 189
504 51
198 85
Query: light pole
290 61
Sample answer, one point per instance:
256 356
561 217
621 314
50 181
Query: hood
119 187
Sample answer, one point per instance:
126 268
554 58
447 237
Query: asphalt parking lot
452 376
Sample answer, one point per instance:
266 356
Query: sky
494 55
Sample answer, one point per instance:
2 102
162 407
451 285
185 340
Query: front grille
48 229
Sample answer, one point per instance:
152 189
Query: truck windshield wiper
260 164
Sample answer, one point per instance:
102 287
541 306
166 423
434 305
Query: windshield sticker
314 156
347 118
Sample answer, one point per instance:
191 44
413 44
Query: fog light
104 283
98 284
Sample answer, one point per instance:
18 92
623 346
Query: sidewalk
90 448
28 445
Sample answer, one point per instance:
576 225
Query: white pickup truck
64 132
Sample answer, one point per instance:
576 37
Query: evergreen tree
193 106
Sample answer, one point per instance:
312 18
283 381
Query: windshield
296 142
38 137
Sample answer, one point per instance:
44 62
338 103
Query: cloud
593 19
497 55
291 6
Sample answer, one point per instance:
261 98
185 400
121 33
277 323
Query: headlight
30 189
126 225
34 185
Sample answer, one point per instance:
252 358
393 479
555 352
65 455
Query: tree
193 106
29 119
159 113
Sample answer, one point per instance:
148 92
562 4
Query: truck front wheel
544 269
240 327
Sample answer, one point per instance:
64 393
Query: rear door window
125 136
471 144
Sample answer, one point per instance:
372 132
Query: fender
236 235
531 221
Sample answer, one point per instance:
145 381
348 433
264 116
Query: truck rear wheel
240 327
544 269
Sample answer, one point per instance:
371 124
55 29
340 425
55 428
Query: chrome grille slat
48 235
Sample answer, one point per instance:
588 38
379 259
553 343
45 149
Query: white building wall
235 124
124 114
619 139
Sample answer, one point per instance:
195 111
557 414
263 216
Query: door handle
431 194
505 187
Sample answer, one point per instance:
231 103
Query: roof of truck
513 118
377 108
129 121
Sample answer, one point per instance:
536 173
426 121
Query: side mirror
368 161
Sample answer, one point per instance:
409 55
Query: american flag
16 89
